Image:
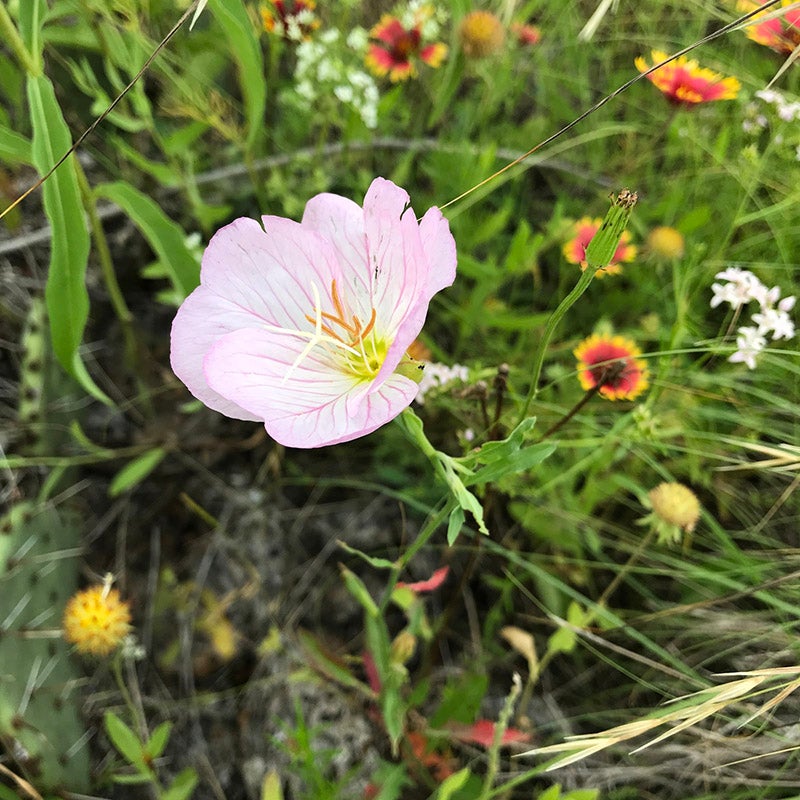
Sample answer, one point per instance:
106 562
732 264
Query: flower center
361 349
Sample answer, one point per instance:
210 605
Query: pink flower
306 326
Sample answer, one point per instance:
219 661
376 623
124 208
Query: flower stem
572 412
580 287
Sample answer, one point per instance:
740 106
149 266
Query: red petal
482 733
434 582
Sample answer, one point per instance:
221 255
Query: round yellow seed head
482 34
96 620
675 504
666 243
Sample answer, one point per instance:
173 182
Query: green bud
600 251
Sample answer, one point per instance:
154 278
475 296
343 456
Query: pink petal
308 405
434 582
482 733
201 320
440 248
341 222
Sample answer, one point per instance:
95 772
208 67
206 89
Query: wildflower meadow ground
399 400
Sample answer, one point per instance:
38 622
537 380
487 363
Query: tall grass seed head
482 34
675 511
97 620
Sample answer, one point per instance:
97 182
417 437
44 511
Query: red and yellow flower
397 48
781 33
292 19
684 82
482 34
583 232
612 364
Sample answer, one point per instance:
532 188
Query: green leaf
452 784
132 779
65 293
31 22
164 236
322 663
455 524
360 592
182 787
136 471
125 740
246 50
378 563
163 173
158 740
14 148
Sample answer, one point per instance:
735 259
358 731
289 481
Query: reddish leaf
482 733
371 671
434 582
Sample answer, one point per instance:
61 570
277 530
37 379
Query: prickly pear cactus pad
39 722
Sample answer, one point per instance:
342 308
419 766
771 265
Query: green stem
580 287
500 728
9 32
107 264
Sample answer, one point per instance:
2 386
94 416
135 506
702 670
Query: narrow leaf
244 45
65 293
158 740
271 787
452 784
31 22
164 236
136 471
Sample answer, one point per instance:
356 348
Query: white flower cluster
328 66
437 375
757 120
742 287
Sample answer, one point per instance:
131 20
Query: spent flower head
96 620
306 326
612 364
482 34
684 82
675 511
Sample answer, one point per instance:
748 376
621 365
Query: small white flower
775 321
437 375
741 287
749 343
358 39
787 304
769 96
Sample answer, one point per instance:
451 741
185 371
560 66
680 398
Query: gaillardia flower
397 47
583 232
781 33
684 82
306 326
96 620
527 35
611 363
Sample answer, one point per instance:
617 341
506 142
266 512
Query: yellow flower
676 509
96 620
482 34
666 243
